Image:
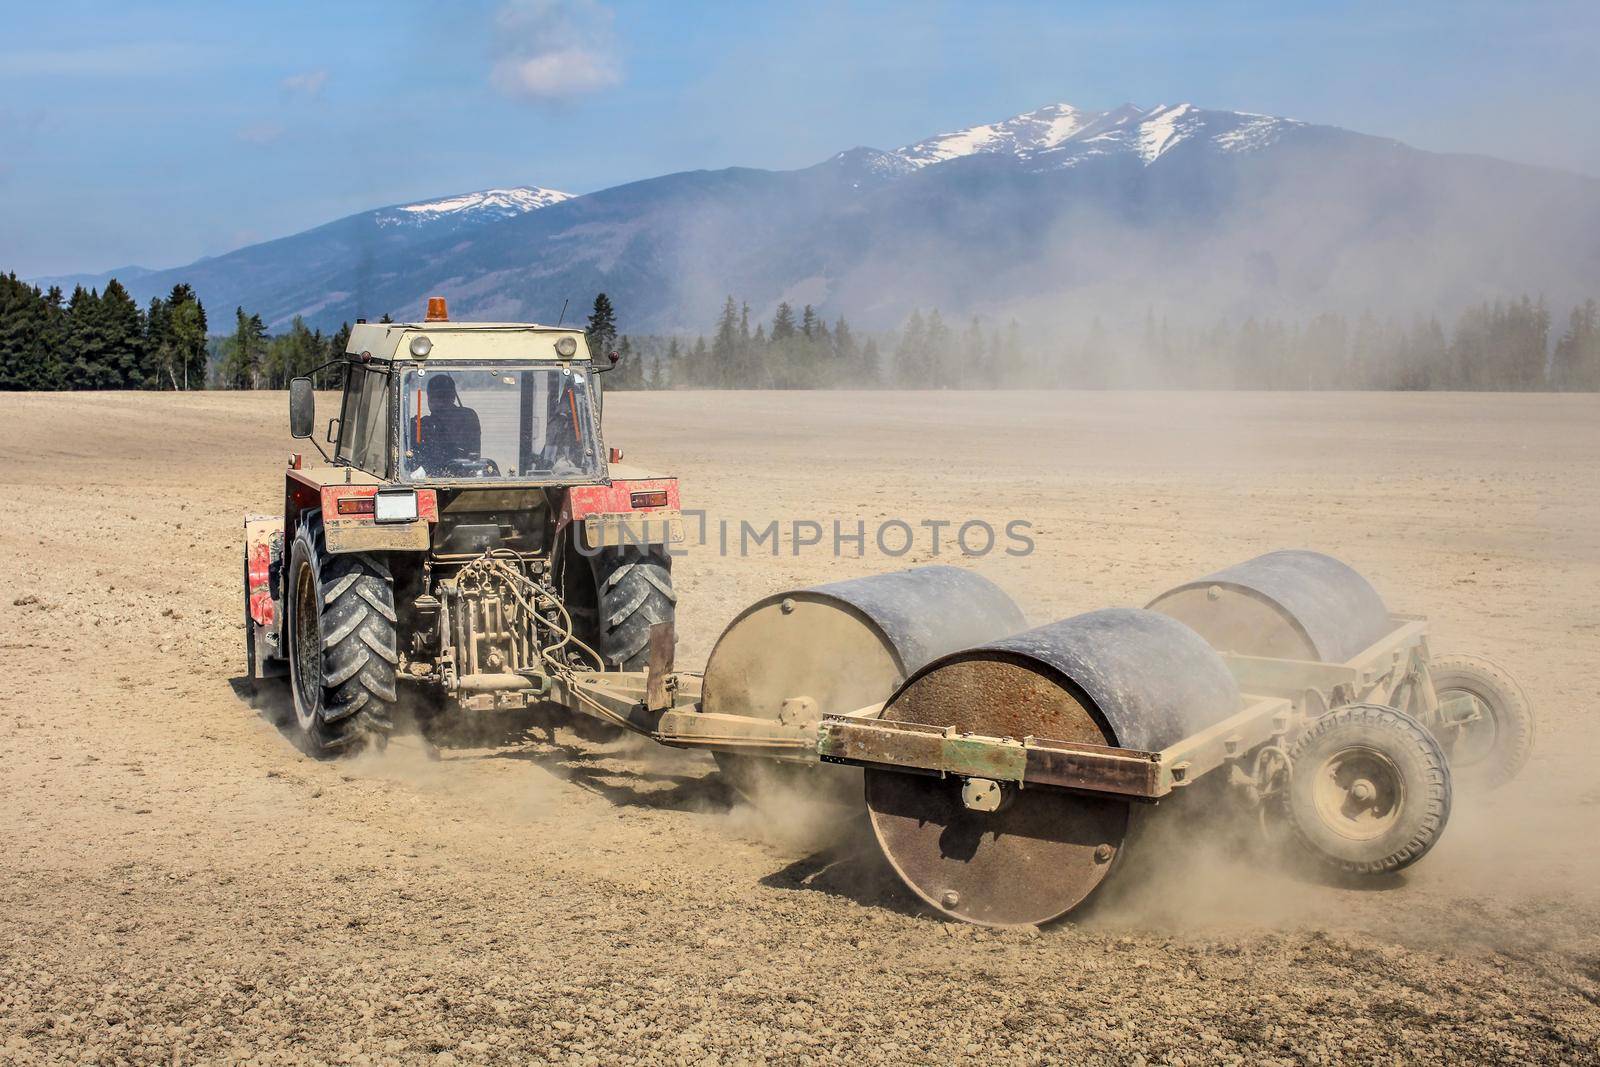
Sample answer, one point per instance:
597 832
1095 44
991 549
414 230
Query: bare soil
178 883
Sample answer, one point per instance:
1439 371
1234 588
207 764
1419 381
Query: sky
154 133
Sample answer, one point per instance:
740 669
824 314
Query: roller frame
1273 707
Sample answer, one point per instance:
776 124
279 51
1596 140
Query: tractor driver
449 432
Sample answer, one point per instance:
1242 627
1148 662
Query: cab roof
465 342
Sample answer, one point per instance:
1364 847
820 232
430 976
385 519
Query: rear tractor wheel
1369 790
1485 720
342 643
633 588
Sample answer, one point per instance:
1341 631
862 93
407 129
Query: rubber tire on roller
1509 709
343 695
1390 750
633 587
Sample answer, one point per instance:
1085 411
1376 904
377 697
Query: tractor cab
464 404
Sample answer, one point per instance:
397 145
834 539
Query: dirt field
179 884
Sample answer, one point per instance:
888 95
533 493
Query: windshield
498 422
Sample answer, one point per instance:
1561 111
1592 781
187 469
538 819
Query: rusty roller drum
1123 677
841 646
1292 604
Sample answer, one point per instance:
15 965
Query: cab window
364 421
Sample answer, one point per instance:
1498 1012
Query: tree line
104 340
100 340
1495 345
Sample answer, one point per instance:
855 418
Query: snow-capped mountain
485 206
1173 208
1060 135
333 266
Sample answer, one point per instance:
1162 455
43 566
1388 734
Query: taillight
357 505
655 498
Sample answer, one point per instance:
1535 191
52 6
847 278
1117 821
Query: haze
157 132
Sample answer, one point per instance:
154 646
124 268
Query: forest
104 340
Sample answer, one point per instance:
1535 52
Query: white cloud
552 50
552 75
262 133
307 83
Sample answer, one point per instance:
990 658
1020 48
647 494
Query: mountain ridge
1197 209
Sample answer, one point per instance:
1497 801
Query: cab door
364 420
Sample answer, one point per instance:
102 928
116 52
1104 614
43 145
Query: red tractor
469 532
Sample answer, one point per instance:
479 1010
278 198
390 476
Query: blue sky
155 133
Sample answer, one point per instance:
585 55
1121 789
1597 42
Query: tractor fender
642 510
263 565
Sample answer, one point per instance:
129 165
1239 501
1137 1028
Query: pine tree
871 364
725 348
630 372
846 356
175 341
1577 356
160 357
335 348
84 344
26 356
672 374
49 371
783 323
977 364
244 352
699 360
601 330
940 352
911 366
124 329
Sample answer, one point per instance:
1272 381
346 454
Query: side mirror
302 407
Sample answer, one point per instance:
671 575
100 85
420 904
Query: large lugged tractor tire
1369 790
342 642
1489 750
633 587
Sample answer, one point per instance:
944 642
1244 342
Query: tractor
465 530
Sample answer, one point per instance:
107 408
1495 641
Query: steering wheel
464 467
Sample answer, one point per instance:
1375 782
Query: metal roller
1292 604
844 645
834 648
991 853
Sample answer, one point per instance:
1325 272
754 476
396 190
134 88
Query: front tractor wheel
343 648
633 588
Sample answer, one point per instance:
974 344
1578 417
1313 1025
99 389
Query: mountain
275 277
1061 135
469 209
1058 213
